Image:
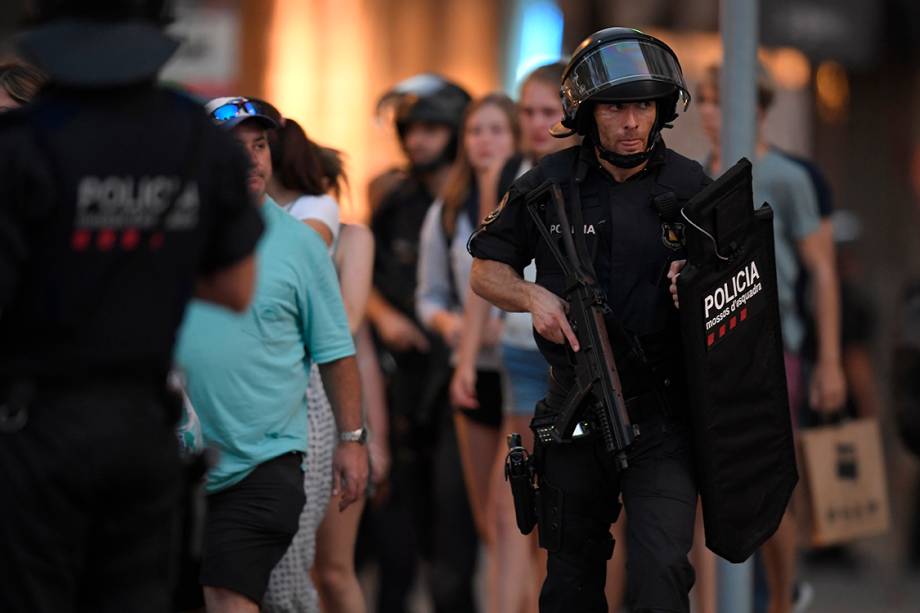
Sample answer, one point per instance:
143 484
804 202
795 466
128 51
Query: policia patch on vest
737 299
729 314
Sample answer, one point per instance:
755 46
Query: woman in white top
489 135
306 182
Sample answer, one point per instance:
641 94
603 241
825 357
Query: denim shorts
527 379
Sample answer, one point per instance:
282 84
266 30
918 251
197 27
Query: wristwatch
354 436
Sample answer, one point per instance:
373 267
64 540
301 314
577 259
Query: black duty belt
18 394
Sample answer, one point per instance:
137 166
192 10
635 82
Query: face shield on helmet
622 71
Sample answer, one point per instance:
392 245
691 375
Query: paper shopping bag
844 477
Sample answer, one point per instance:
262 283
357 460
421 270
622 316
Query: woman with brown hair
489 137
526 372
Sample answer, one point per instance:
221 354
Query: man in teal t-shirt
247 375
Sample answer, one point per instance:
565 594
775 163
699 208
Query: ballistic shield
729 313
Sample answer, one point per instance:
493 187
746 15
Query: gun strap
581 246
553 247
631 342
615 325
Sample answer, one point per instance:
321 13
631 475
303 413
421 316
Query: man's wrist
358 435
529 289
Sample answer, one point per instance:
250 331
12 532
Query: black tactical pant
88 515
580 487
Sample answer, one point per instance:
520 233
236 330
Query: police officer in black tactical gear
426 511
621 88
119 201
426 110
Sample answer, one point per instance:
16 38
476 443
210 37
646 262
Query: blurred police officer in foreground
619 90
118 202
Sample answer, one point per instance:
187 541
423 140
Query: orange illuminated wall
328 61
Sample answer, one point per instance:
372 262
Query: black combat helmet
98 43
426 98
620 65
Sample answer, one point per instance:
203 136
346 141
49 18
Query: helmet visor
621 62
411 89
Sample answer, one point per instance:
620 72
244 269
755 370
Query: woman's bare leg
334 567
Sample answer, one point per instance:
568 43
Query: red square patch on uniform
743 313
721 330
129 239
80 240
156 240
105 240
710 340
732 323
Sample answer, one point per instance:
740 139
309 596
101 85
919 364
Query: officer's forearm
501 285
343 386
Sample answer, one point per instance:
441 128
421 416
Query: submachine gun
597 390
596 398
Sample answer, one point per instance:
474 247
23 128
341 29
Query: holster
519 473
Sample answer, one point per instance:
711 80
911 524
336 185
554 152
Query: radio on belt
729 315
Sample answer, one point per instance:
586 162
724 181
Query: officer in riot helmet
620 186
119 201
426 482
426 111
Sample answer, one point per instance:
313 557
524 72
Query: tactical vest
659 335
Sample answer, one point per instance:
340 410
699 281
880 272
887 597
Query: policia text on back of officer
619 90
118 201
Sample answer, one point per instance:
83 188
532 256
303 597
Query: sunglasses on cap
239 109
235 108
